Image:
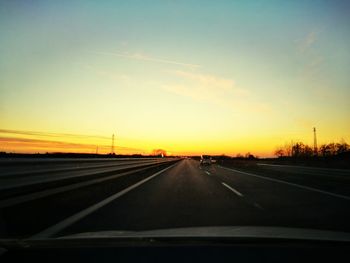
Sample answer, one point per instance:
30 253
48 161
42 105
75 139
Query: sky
190 77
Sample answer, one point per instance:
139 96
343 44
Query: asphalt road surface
188 195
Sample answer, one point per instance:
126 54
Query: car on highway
205 160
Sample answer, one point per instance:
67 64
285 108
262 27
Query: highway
182 193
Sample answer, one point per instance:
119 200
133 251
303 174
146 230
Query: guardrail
20 167
17 191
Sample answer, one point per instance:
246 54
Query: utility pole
112 148
315 142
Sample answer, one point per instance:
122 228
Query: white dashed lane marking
232 189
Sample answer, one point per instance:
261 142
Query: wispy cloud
143 57
312 59
214 89
307 42
52 134
116 76
49 141
31 145
200 86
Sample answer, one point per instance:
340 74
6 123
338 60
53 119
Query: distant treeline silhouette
302 150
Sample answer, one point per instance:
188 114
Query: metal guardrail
49 182
16 167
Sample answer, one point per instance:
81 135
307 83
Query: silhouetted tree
327 150
302 150
279 152
297 149
250 156
342 147
307 151
239 155
288 149
323 149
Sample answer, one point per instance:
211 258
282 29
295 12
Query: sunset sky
190 77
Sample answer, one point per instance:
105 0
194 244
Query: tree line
302 150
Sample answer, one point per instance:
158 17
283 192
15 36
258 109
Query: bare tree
239 155
280 152
342 147
288 149
301 150
307 151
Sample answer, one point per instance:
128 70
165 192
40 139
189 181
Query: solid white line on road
78 216
207 172
288 183
233 190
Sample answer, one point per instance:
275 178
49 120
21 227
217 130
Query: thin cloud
207 80
200 86
214 89
142 57
51 134
311 57
307 42
11 143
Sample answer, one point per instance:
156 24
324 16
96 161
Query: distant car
205 160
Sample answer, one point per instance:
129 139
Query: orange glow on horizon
19 141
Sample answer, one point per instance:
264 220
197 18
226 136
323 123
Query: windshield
131 116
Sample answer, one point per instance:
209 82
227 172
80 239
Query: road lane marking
288 183
207 172
233 190
80 215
